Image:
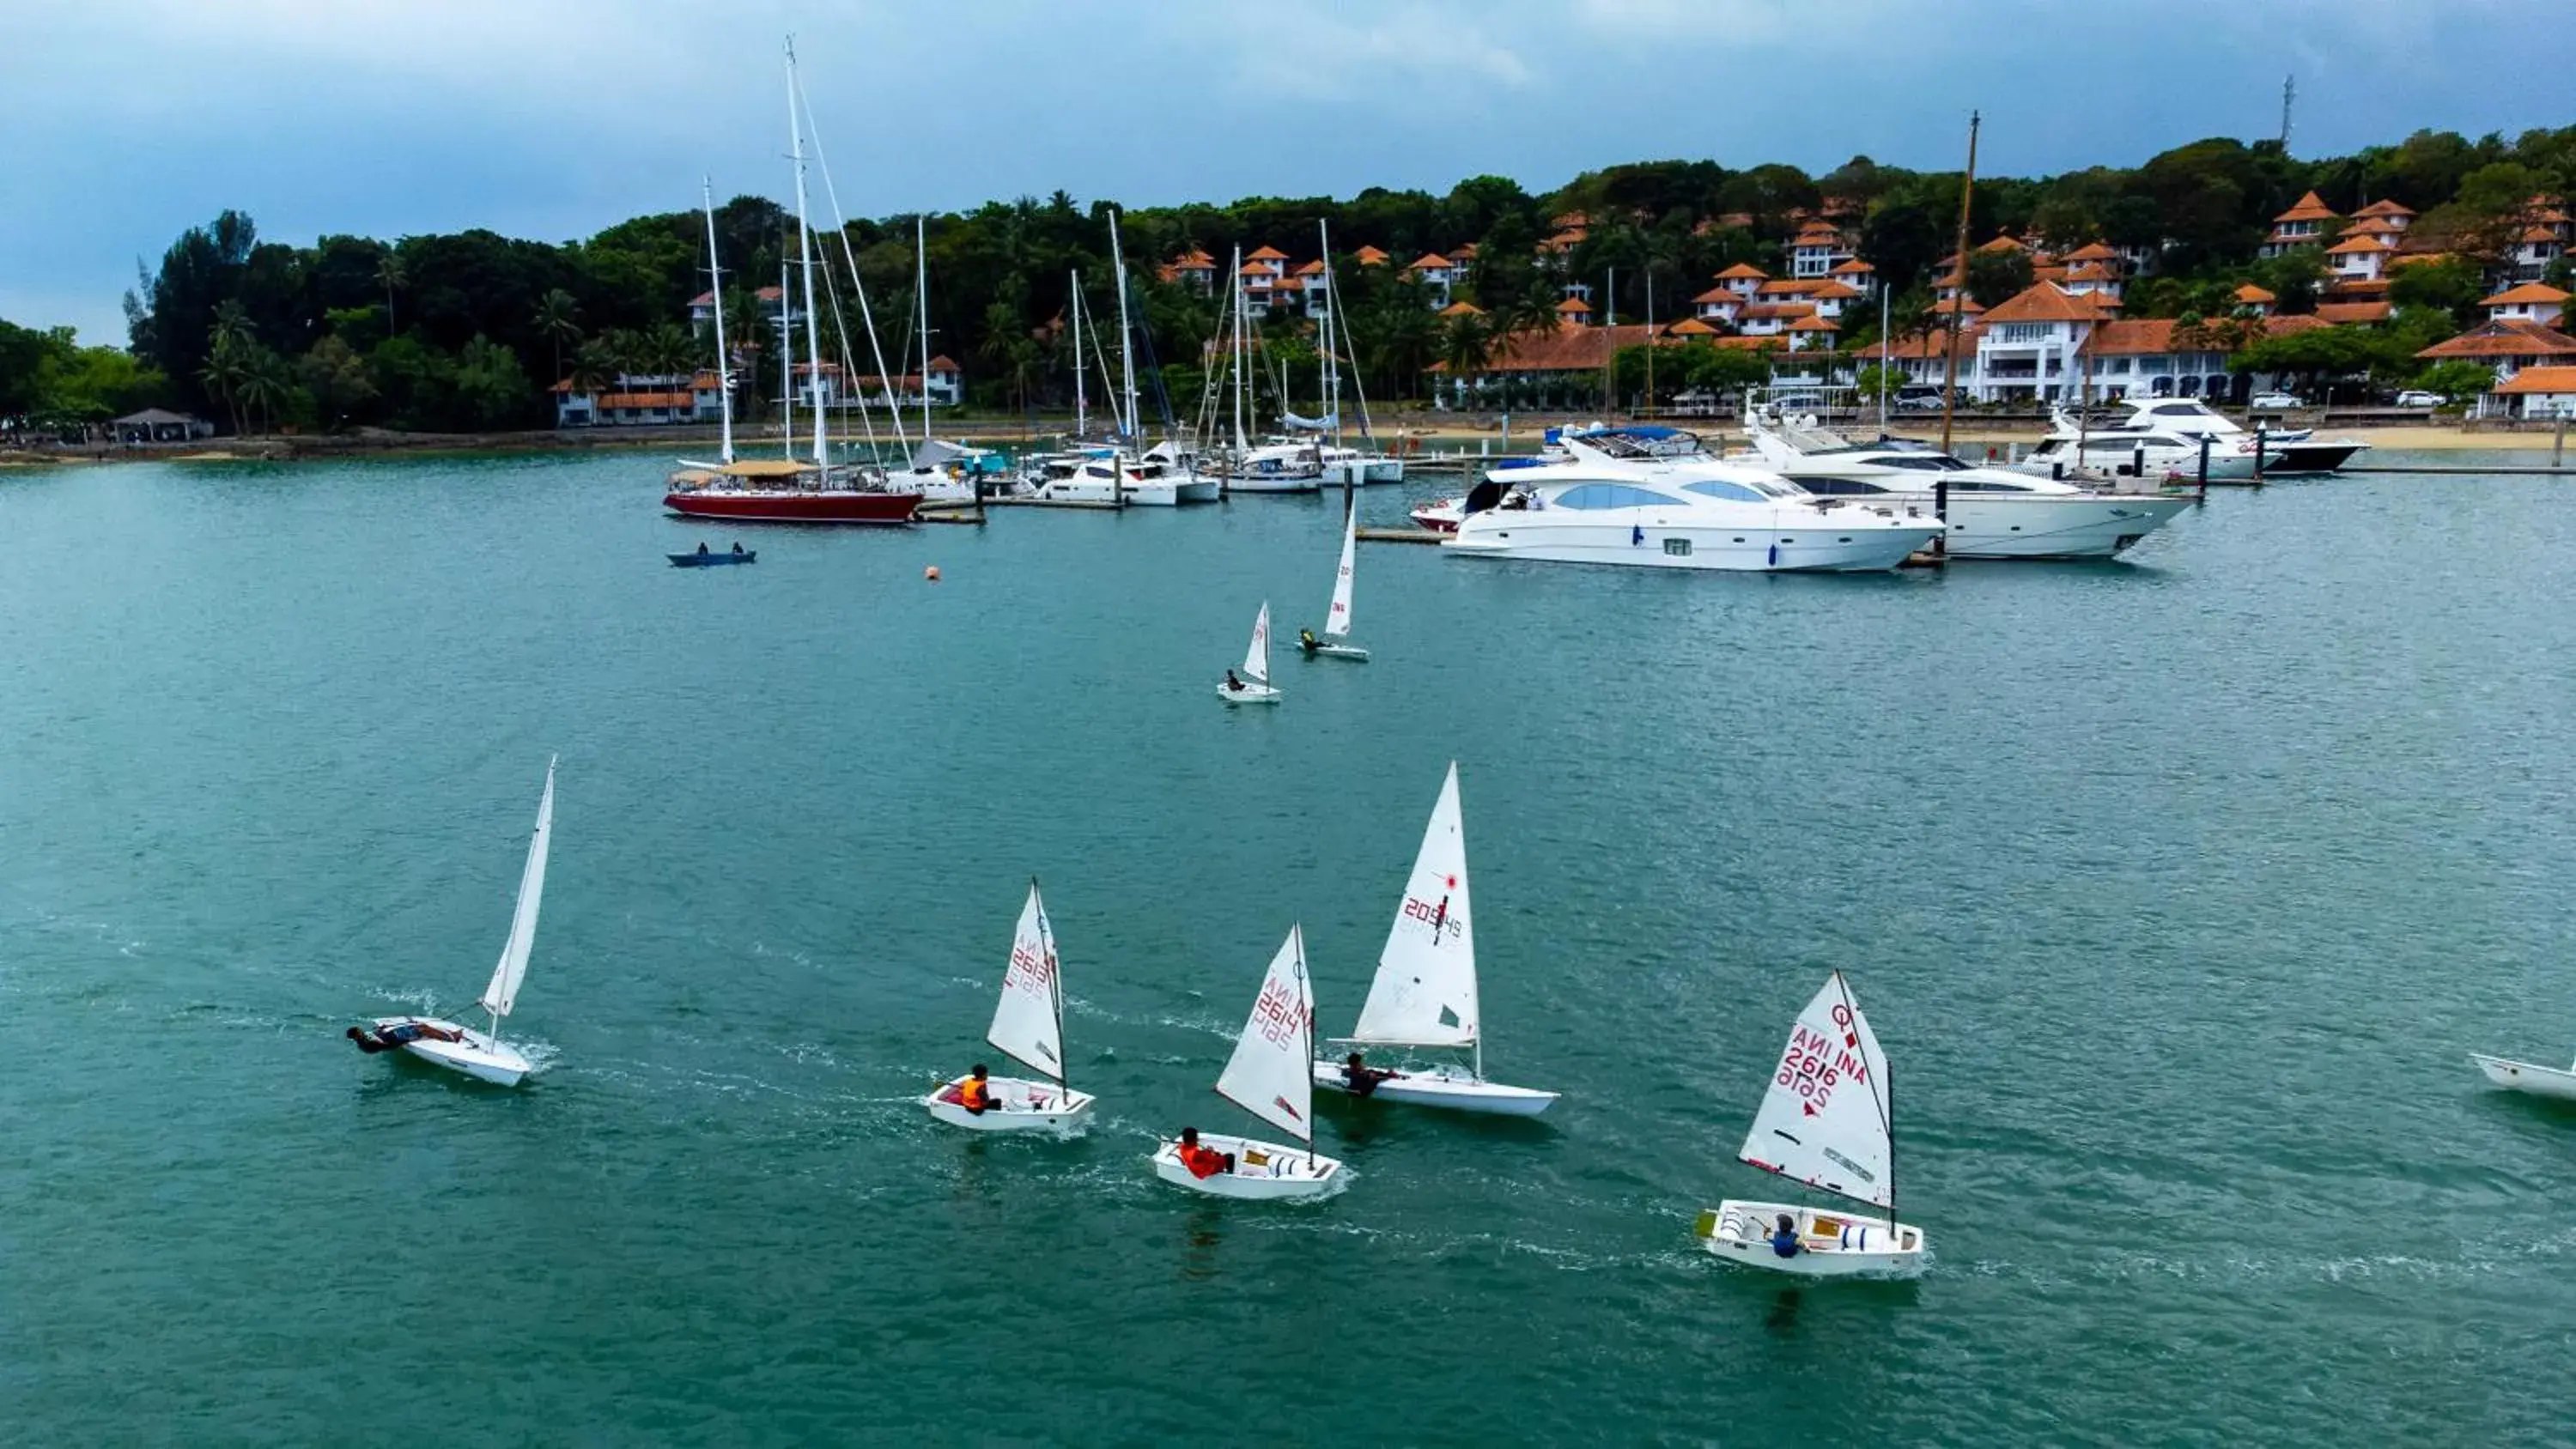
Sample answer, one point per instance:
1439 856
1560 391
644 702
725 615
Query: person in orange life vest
975 1094
1203 1162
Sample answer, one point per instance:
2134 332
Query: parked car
2275 401
1918 400
2418 398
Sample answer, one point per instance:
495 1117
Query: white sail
1425 991
1271 1074
1824 1121
1256 660
503 993
1337 623
1029 1022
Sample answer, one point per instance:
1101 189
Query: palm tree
623 350
230 343
264 385
593 367
669 350
557 320
389 272
1466 345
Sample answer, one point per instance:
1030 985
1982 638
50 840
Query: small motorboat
2539 1081
707 559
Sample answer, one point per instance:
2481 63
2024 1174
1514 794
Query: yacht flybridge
1993 513
1613 499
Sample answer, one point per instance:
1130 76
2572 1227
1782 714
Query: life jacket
1203 1162
974 1096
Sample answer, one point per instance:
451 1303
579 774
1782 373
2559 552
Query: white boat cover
1271 1074
1029 1021
503 993
1824 1122
1425 991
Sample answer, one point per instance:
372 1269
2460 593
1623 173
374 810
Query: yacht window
1983 485
1841 487
1732 492
1611 495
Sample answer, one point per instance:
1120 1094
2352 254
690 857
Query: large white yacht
2161 438
1993 514
1615 500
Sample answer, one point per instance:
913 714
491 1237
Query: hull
1195 489
1249 694
1160 493
1264 1171
1831 1244
1360 472
712 560
1340 651
1823 547
1273 483
470 1052
2295 458
2525 1077
1446 1087
1441 516
2055 526
1026 1106
792 505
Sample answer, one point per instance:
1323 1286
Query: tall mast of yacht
1950 369
1126 340
921 304
1235 351
805 253
1324 378
786 360
715 281
1081 407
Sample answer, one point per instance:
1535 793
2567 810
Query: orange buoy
931 573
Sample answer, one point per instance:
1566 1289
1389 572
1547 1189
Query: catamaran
1337 620
1425 991
1028 1024
2539 1081
480 1054
1253 686
1826 1122
1267 1078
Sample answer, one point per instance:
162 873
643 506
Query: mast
1055 989
786 352
1650 353
1950 362
1325 372
1236 355
1126 347
1886 355
1306 1034
921 304
805 253
715 280
1081 408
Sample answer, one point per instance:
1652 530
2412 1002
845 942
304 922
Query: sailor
1784 1236
975 1094
1360 1077
737 548
1232 684
1203 1162
702 550
1306 640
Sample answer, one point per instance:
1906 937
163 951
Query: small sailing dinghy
480 1054
1825 1122
1028 1024
1267 1078
2539 1081
1425 991
1253 687
1337 621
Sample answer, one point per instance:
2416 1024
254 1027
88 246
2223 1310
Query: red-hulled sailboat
789 489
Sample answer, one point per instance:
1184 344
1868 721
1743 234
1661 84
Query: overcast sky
124 121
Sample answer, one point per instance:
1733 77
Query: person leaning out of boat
1360 1077
1232 684
1203 1162
975 1094
1307 641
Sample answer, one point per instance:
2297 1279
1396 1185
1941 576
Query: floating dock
1399 535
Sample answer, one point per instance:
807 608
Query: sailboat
1425 991
480 1054
1266 1077
1028 1024
1827 1122
1253 686
2539 1081
1337 620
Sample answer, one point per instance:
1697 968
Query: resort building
2530 302
1568 365
2536 392
1194 269
2511 348
2303 225
642 400
1817 249
1437 274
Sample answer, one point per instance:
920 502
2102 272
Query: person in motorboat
1361 1078
1203 1162
1307 641
975 1094
702 549
392 1037
1784 1236
1232 684
737 548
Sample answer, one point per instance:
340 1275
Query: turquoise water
2175 890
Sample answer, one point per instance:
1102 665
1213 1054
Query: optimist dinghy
1337 621
480 1054
1254 685
1267 1078
1425 991
2525 1077
1028 1024
1825 1122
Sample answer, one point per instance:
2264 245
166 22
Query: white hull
1341 651
1821 547
1249 694
1024 1106
1830 1244
1360 472
1272 483
1195 489
476 1055
2525 1077
1264 1171
1154 493
1453 1088
2054 526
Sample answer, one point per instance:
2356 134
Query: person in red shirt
1203 1162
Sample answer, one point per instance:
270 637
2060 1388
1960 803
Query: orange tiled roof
1853 268
1815 324
1690 327
2149 335
2513 337
2540 379
1833 291
2041 302
1268 254
1311 269
1574 307
1922 347
2374 226
1194 260
2253 295
2539 234
2352 314
1777 311
2385 209
2091 272
1462 309
2092 251
2527 292
1718 296
647 400
1369 257
1427 261
943 363
2354 246
2004 243
2310 207
1963 304
1567 348
1742 270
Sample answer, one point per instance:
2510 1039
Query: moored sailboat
1266 1077
1253 686
1425 993
1826 1122
481 1054
1028 1025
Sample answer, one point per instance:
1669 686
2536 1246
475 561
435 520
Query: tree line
467 331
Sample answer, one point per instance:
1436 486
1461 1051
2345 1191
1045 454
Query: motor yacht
1276 467
2285 450
1616 500
2151 442
1992 513
1105 475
